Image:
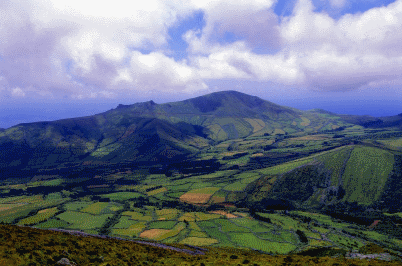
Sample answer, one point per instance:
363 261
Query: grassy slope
366 173
26 246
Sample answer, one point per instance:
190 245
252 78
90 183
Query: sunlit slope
231 115
353 174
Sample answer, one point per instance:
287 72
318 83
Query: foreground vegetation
27 246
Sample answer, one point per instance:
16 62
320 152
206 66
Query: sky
62 59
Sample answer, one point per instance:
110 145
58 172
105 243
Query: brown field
216 199
257 124
47 210
195 198
199 241
228 215
154 233
257 155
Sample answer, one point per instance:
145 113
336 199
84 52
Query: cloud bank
92 49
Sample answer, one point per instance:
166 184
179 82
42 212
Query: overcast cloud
105 49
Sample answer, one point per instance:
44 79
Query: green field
122 196
41 216
366 174
79 220
251 241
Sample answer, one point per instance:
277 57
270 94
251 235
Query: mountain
150 132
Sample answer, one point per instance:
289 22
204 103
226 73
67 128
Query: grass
201 216
44 247
53 182
52 223
122 196
161 234
162 225
214 232
200 195
283 168
137 216
227 226
254 225
167 214
10 215
96 208
41 216
12 199
124 222
188 216
286 223
334 162
80 220
196 233
236 186
394 143
132 231
322 219
77 205
347 242
366 174
156 191
251 241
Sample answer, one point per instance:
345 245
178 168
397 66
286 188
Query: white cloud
88 49
18 92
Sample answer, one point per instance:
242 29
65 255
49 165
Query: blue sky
62 59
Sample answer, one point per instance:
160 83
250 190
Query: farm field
241 203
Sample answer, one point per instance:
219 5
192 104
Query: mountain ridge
151 132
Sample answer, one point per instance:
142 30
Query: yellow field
95 208
199 196
257 124
41 216
228 215
133 230
157 191
305 122
278 131
161 234
137 216
167 214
